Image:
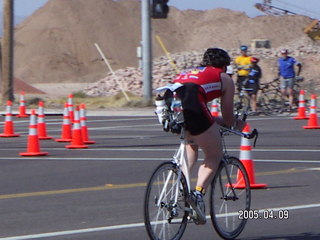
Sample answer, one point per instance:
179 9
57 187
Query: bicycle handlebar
253 134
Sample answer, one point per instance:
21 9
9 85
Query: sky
310 8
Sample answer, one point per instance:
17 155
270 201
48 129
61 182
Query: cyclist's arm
227 101
228 119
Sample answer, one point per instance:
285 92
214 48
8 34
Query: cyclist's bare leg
192 153
210 143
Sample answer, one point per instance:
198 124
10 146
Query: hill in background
17 20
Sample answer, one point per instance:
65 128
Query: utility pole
0 62
146 50
7 52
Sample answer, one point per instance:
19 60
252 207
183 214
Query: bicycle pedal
198 217
194 218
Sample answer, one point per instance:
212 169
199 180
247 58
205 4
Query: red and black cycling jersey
200 86
207 77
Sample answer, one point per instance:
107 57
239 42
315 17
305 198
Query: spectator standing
287 74
253 83
242 63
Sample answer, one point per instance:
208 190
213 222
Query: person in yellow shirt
242 63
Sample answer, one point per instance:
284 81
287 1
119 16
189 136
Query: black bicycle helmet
215 57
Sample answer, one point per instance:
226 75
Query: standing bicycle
271 101
242 99
169 201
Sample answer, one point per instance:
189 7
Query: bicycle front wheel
230 194
241 103
165 206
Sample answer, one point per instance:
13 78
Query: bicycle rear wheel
270 102
165 215
230 193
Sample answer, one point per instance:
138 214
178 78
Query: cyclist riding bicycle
198 87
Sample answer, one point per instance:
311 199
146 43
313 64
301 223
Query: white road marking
135 225
144 159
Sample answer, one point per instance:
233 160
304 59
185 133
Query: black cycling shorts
196 114
254 87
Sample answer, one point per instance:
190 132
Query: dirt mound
20 85
163 73
56 44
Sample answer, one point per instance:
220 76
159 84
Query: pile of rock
130 79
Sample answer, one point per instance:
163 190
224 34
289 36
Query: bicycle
242 99
271 101
166 209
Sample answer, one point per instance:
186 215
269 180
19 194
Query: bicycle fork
225 195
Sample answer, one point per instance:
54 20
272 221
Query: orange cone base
253 186
45 138
311 127
22 115
300 118
89 142
9 135
63 140
76 146
30 154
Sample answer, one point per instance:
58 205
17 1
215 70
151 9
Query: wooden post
7 52
120 83
0 61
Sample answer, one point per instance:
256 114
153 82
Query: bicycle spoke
227 199
165 213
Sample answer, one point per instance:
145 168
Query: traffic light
160 9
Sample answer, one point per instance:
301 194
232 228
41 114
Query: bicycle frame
180 159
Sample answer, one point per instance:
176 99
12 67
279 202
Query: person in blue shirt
287 74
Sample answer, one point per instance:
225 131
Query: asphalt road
97 193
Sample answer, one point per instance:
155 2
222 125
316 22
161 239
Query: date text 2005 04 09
263 214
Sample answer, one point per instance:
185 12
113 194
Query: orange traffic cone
214 108
9 126
66 126
301 108
42 127
313 118
33 148
77 141
84 129
70 107
22 107
246 160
